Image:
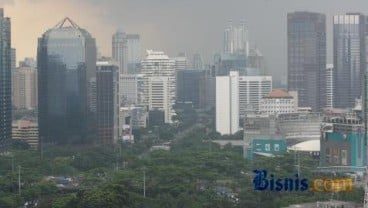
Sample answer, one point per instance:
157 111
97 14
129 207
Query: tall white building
251 90
131 89
227 103
278 101
236 39
159 85
329 86
120 51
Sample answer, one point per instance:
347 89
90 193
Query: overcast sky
171 25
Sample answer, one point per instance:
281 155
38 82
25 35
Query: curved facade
67 80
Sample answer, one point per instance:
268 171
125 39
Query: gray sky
172 25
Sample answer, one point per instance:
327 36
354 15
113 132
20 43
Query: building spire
63 22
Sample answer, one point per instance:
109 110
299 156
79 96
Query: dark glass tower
108 101
5 79
349 58
66 62
306 33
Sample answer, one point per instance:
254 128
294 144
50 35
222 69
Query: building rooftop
151 54
278 93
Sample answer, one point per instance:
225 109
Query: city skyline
156 30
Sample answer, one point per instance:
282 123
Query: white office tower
227 103
329 86
251 90
131 89
236 39
159 85
120 51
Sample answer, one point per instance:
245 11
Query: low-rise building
26 131
278 101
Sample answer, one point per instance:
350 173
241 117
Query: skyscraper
108 107
66 63
306 34
13 58
181 62
236 39
131 89
251 90
197 62
5 79
24 87
134 47
120 51
188 85
159 85
227 103
349 58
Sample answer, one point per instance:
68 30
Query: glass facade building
306 34
5 79
66 62
107 101
188 86
349 58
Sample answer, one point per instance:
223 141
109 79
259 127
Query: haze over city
173 26
184 103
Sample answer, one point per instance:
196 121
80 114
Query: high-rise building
131 88
66 63
349 58
159 86
188 86
256 61
5 79
207 89
120 51
181 62
30 62
108 102
197 62
227 103
231 62
236 39
329 86
134 52
251 90
13 59
306 34
24 87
